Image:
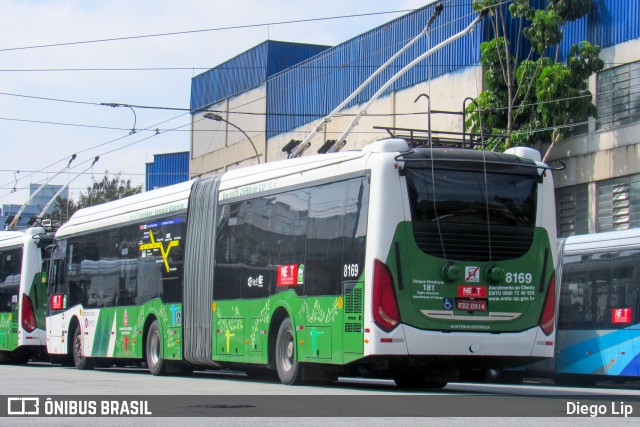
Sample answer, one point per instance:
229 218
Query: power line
234 27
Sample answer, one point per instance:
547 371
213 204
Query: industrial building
250 108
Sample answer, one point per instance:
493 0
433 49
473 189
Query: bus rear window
469 215
460 196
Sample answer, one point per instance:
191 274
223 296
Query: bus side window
228 266
325 240
625 285
10 264
574 283
599 282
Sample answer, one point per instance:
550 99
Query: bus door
10 265
9 324
57 289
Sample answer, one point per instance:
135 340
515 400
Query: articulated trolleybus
390 261
23 296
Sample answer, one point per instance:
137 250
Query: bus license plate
472 304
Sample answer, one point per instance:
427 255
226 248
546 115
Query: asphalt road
231 398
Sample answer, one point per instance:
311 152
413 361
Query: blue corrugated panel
316 86
167 169
610 22
247 70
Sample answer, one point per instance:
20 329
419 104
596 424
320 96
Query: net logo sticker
23 406
471 274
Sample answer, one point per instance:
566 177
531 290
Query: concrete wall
397 109
602 154
217 146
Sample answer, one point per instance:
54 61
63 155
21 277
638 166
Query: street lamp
218 118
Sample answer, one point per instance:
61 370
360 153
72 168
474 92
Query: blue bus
599 324
598 337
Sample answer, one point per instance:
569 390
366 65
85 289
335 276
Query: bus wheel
289 370
79 360
409 379
435 384
15 357
157 365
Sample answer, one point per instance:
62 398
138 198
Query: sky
50 96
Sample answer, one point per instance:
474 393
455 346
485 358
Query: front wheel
80 362
289 370
157 365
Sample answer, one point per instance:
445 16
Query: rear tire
289 369
409 379
16 357
82 363
157 365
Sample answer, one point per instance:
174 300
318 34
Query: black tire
261 374
435 384
499 376
157 365
575 380
82 363
5 356
14 357
289 369
409 379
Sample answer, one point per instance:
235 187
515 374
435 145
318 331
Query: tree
99 192
63 209
536 98
107 190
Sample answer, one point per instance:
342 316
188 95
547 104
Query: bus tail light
385 306
547 320
28 315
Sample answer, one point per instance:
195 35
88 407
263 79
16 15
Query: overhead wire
232 27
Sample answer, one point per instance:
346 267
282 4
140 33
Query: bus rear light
385 306
28 315
547 320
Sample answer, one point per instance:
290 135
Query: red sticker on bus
472 291
57 302
621 315
288 275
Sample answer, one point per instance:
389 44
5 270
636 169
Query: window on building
618 98
618 202
572 204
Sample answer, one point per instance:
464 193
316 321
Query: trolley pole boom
16 218
307 140
363 111
55 196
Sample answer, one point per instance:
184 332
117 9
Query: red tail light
28 315
547 320
385 306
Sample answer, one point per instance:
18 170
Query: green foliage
106 190
538 98
544 30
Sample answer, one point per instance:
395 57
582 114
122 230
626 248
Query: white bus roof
13 238
609 240
128 209
175 198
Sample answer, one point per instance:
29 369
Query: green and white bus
23 295
390 261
